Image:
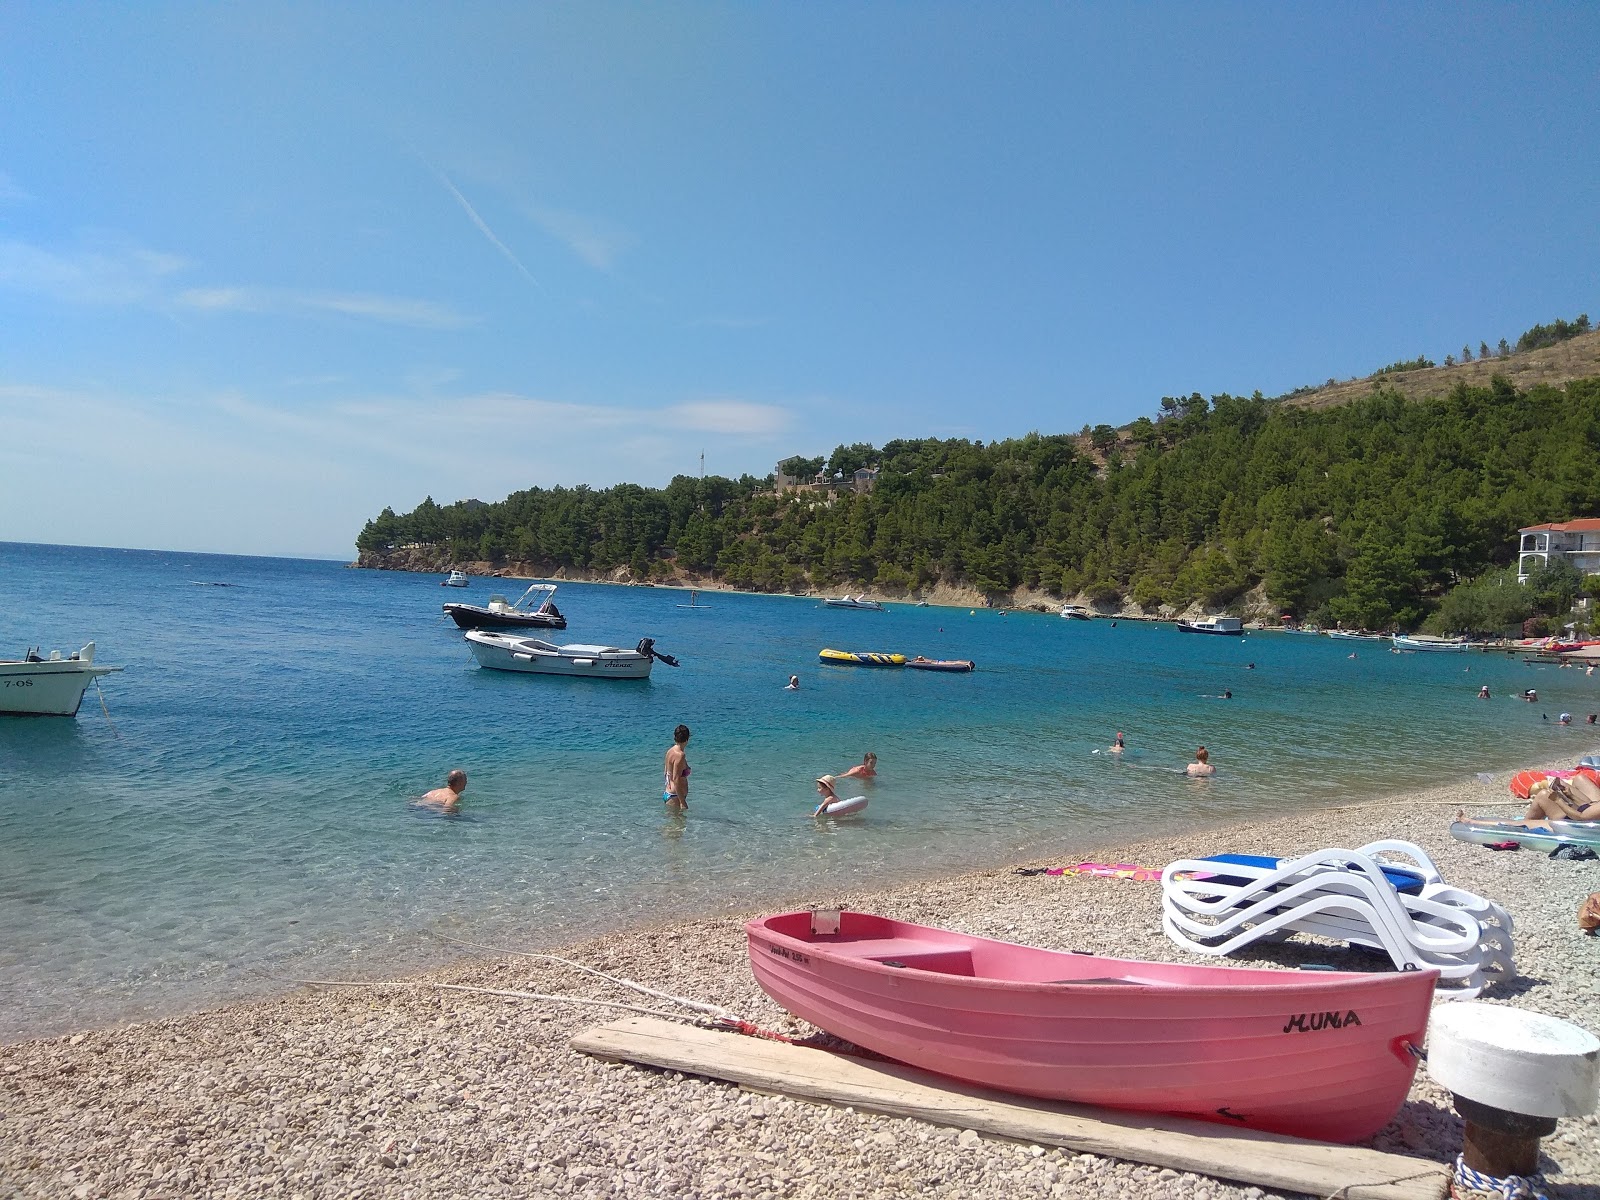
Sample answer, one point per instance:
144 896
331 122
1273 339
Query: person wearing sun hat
825 790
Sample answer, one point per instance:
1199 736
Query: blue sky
267 268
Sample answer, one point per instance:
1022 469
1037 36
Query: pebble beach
415 1089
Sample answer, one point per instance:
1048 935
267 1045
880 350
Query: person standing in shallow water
675 787
1201 764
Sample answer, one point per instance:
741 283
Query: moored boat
1326 1055
853 602
1232 626
862 658
455 579
508 652
36 686
1423 641
535 609
941 664
1076 612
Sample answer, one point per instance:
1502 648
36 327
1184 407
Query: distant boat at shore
1227 626
860 601
1423 641
456 579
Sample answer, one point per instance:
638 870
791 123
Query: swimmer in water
449 796
867 768
793 685
1483 692
1201 765
829 796
1118 746
1227 693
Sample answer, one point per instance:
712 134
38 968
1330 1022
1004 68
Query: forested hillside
1363 514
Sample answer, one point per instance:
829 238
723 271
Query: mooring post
1512 1074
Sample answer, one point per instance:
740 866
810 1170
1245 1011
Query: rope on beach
715 1010
1341 1193
464 987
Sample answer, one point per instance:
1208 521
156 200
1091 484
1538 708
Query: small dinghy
941 664
1314 1054
508 652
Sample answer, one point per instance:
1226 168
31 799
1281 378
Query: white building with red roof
1578 542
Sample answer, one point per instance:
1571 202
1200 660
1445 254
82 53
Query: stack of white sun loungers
1397 904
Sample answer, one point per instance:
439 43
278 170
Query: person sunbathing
1574 799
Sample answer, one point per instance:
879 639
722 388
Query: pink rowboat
1325 1055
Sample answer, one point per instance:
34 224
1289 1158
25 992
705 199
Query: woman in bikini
675 787
1574 799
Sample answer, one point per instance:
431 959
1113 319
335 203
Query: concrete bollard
1511 1074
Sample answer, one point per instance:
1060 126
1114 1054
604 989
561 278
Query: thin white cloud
736 417
110 274
483 228
728 323
391 310
596 242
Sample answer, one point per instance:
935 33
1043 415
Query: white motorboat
1423 641
48 687
1230 626
860 601
535 608
456 579
509 652
1076 612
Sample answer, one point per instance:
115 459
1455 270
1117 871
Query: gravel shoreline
416 1091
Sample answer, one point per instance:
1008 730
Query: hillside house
1577 542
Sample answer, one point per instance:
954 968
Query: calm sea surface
249 814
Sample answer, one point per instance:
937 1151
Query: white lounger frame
1343 895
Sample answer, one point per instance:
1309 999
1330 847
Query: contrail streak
484 229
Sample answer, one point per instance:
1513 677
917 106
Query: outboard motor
647 647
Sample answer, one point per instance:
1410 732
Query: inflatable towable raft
1560 833
862 658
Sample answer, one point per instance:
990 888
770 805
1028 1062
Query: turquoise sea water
248 815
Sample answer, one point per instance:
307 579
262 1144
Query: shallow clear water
248 815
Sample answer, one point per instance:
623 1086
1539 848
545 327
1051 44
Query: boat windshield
537 596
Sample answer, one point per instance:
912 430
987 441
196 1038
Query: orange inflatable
1522 782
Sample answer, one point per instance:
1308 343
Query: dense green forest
1365 514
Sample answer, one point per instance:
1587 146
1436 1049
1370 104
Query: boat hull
1316 1055
1560 833
1405 643
52 687
525 655
473 616
1234 630
941 664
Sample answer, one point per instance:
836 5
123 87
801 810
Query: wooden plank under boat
1325 1055
1269 1160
